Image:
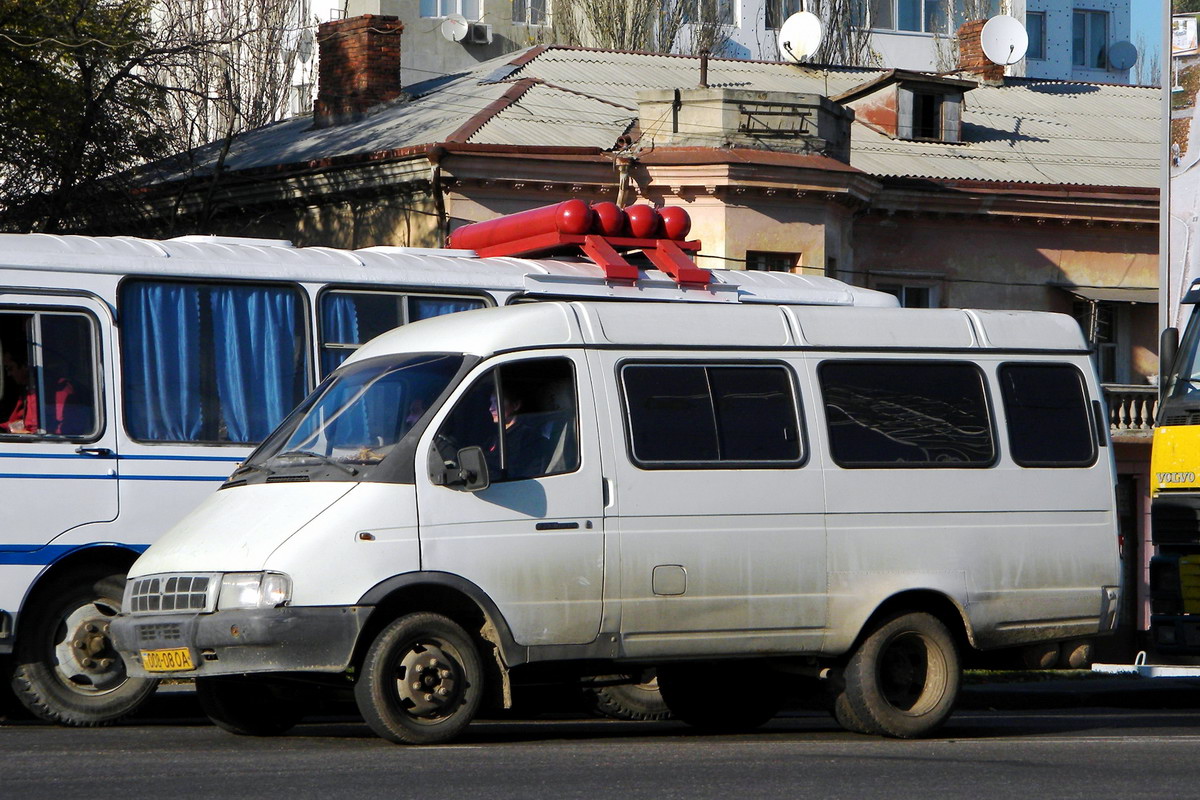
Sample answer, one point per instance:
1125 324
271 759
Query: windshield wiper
246 467
322 458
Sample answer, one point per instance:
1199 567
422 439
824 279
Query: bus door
58 461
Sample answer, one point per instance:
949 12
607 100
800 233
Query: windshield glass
1184 381
355 419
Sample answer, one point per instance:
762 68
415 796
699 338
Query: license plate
176 659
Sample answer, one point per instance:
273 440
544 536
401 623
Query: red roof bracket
615 267
669 258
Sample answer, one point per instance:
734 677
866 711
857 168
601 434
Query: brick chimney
359 67
970 54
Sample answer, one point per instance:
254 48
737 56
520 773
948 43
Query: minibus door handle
557 526
98 452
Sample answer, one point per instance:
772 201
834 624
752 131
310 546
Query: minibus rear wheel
721 696
248 705
421 680
65 668
903 679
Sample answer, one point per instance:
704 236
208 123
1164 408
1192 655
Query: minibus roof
489 331
450 270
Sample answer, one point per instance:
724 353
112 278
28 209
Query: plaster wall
1013 265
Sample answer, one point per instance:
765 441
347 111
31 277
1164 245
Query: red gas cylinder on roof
572 217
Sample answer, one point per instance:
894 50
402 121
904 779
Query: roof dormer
911 105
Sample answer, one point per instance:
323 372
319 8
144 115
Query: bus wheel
694 693
903 679
421 681
248 705
629 701
65 668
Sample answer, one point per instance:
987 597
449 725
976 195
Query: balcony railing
1131 409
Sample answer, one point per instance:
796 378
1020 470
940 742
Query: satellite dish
304 50
455 27
1004 40
800 35
1122 55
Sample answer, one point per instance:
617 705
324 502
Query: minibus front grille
288 479
156 594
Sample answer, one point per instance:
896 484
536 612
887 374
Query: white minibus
729 495
138 374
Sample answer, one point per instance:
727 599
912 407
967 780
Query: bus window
906 414
350 318
49 384
1048 420
211 363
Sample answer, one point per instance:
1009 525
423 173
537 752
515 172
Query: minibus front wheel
421 680
903 679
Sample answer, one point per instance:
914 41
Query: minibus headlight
254 590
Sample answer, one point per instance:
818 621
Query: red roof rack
602 232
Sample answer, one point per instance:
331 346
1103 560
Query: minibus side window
49 386
906 414
524 417
711 414
1047 411
210 362
350 318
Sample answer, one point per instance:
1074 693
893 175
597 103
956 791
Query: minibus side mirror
470 474
472 470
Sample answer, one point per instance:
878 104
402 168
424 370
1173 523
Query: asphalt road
1060 754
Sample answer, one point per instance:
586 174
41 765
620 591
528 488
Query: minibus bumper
303 639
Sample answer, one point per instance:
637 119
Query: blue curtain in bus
425 307
339 323
160 338
260 363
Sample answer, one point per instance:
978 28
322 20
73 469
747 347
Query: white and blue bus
138 374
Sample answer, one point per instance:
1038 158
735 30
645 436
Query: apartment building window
1035 26
702 11
1105 325
919 16
529 12
444 8
779 10
910 295
1089 39
767 261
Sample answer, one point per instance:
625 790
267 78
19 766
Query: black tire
65 669
845 715
249 705
628 701
903 680
721 697
421 680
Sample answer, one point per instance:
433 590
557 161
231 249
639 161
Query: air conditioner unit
479 33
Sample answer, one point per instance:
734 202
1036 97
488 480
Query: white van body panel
549 581
237 531
336 557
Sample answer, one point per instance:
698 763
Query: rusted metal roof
1026 131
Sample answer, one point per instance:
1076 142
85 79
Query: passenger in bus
68 413
24 415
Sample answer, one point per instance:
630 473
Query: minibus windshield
357 417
